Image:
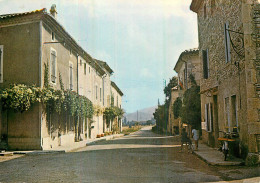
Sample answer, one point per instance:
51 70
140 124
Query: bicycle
225 143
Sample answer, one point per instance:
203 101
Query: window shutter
227 43
0 64
186 75
53 66
71 77
205 63
210 117
206 116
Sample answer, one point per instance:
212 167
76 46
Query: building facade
173 124
116 100
36 50
187 66
229 57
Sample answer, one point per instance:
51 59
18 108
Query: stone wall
228 81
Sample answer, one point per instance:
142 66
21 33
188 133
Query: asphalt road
141 157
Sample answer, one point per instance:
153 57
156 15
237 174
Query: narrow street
141 157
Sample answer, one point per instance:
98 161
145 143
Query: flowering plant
20 97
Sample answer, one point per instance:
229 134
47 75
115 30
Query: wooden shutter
53 66
1 64
227 43
205 64
71 77
210 117
206 116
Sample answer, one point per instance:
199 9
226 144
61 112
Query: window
205 58
70 52
234 111
186 75
80 62
208 117
96 92
88 69
213 6
227 119
100 93
52 36
1 62
85 68
108 100
71 75
53 65
227 43
205 11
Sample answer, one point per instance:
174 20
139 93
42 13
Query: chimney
53 11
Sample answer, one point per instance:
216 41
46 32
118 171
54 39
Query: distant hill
143 114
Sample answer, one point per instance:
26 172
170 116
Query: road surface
140 157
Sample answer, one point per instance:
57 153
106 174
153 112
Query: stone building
188 64
32 43
229 57
173 124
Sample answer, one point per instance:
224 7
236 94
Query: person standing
195 135
184 139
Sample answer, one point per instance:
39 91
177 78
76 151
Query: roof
113 84
98 68
105 66
5 16
195 5
184 53
48 18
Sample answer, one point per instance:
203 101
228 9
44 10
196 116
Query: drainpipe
40 83
77 120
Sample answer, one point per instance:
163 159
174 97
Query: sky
141 40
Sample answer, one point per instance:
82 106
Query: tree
161 113
161 117
167 90
177 105
191 110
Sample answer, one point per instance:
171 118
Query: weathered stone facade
173 124
187 64
229 100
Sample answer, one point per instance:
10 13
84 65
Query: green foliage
191 110
112 100
161 117
21 97
18 97
172 83
177 105
112 112
61 82
161 114
46 75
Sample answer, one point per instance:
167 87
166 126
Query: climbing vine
20 98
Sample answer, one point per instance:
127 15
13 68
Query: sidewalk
70 148
214 157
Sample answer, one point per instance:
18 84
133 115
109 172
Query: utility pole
137 116
165 110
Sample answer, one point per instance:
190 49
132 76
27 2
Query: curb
221 163
66 150
39 152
